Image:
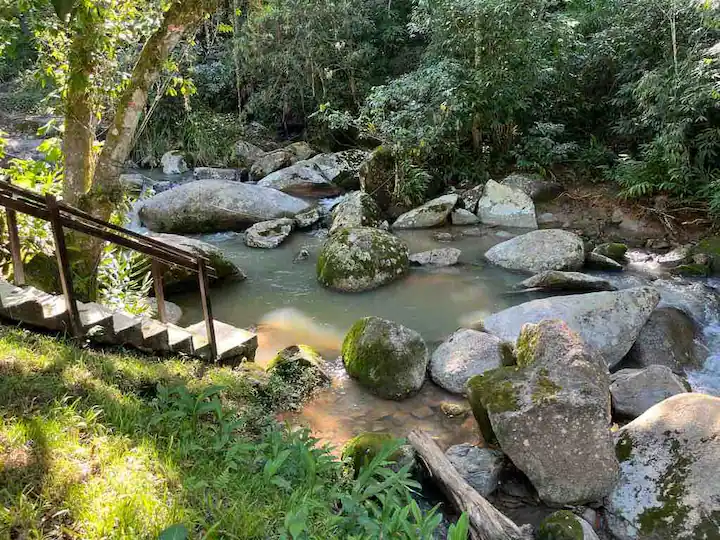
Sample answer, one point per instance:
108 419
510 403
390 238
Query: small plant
124 280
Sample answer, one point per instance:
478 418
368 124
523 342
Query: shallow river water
284 303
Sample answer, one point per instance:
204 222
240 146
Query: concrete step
233 344
155 336
180 340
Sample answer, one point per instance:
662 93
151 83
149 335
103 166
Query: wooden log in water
486 522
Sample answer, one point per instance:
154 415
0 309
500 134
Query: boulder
471 197
436 257
564 525
342 168
360 259
176 276
290 359
173 162
300 151
694 298
710 248
307 218
634 391
551 414
269 234
506 207
216 205
669 485
538 189
612 250
554 280
247 153
376 176
214 173
173 312
431 214
300 179
667 339
135 182
601 262
465 354
609 322
362 449
538 251
269 163
357 209
460 216
385 357
479 467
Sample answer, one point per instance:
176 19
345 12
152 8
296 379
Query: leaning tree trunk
105 193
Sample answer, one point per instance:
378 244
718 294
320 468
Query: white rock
506 206
173 162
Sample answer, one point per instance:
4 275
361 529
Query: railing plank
207 309
159 285
15 251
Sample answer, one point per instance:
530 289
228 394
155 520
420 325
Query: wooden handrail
62 216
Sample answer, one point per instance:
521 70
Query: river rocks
465 354
679 255
471 197
694 298
269 163
300 151
710 247
538 251
601 262
554 280
506 207
436 257
216 205
538 189
667 339
551 414
613 250
431 214
362 449
287 362
174 276
307 218
609 322
173 162
269 234
360 259
357 209
247 153
479 467
213 173
300 179
385 357
634 391
461 216
135 182
341 168
564 525
669 485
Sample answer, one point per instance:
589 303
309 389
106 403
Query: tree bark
486 522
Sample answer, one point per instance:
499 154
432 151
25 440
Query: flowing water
282 300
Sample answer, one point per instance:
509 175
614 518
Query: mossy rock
362 449
493 391
562 525
613 250
710 246
692 270
361 259
385 357
302 356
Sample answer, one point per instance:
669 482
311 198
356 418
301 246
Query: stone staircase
36 308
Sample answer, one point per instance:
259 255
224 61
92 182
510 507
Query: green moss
507 354
691 270
562 525
362 449
624 447
545 389
710 246
302 356
526 345
494 391
613 250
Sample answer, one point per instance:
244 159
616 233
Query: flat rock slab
539 251
555 280
269 234
436 257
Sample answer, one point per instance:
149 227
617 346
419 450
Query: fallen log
486 522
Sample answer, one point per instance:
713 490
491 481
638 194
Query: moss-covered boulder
361 259
669 484
564 525
385 357
613 250
362 449
431 214
357 209
551 414
710 247
298 357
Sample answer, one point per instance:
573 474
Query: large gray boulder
360 259
387 358
465 354
667 339
471 197
538 251
270 162
357 209
506 206
431 214
551 414
669 485
634 391
302 178
269 234
538 189
609 322
341 168
479 467
216 205
247 153
460 216
555 280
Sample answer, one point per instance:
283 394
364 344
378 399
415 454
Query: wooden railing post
15 251
207 307
159 285
64 265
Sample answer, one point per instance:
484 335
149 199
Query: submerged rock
564 525
436 257
357 209
479 467
608 321
669 483
506 206
538 189
538 251
360 259
173 162
634 391
307 218
554 280
431 214
269 234
460 216
551 414
465 354
385 357
216 205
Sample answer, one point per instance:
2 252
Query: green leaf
175 532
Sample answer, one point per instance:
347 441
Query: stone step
180 340
127 328
233 344
155 336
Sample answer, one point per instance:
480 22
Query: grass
106 444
